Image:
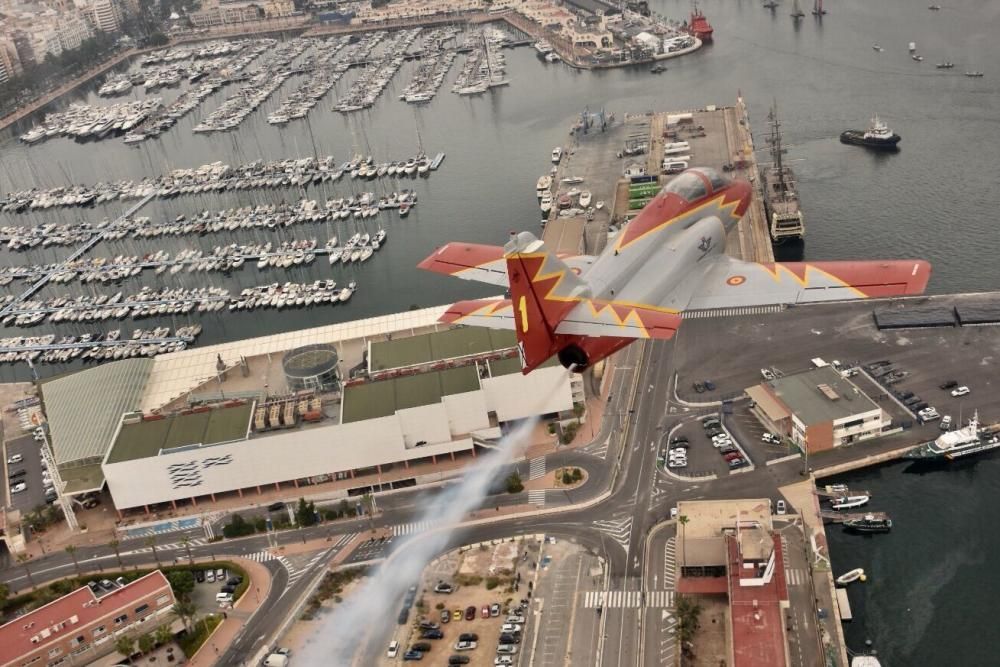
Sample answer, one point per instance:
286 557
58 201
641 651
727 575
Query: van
393 649
276 660
224 598
945 424
674 167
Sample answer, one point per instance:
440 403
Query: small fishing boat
857 574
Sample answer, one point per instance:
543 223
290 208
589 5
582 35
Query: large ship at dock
699 26
781 201
953 445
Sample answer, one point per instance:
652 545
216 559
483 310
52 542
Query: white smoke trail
376 603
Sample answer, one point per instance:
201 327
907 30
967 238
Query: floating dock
840 517
844 605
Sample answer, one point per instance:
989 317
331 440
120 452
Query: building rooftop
820 395
755 612
78 609
81 420
382 398
178 373
146 437
437 346
703 536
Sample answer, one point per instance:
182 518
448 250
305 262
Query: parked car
509 649
679 440
508 638
960 391
468 637
107 584
457 615
771 439
428 625
16 474
945 424
458 660
707 420
732 456
275 507
423 647
16 458
432 634
210 576
93 585
470 613
680 446
709 385
235 580
18 488
465 646
950 384
737 463
780 505
766 373
413 655
495 609
699 387
486 611
510 627
443 587
713 431
199 576
220 574
503 660
445 616
393 649
404 616
515 618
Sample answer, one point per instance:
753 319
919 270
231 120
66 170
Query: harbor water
925 602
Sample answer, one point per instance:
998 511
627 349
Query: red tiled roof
755 612
72 611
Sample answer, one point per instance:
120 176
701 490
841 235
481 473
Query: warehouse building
818 409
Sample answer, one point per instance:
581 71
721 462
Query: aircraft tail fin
543 290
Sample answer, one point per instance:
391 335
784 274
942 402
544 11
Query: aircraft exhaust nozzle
573 358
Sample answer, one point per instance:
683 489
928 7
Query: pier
606 155
76 254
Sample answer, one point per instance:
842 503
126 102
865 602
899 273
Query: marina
218 177
108 346
377 74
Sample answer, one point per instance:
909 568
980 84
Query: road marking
669 561
628 599
537 497
618 530
261 556
411 528
536 469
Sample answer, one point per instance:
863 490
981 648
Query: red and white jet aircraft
668 261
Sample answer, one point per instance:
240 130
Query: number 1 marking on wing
522 306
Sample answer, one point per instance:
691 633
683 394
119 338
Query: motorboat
585 197
974 75
572 180
877 48
857 574
557 154
849 502
543 185
869 523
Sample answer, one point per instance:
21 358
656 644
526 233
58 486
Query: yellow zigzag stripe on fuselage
633 315
804 280
723 206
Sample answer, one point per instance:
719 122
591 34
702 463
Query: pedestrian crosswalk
536 469
598 449
537 497
617 529
628 599
669 560
732 312
261 556
795 576
165 548
412 528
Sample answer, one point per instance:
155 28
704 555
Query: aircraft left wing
483 263
733 283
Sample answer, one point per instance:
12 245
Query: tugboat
699 25
869 523
877 136
971 439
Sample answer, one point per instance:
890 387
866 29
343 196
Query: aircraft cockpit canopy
691 185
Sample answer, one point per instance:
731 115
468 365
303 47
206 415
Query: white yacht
557 154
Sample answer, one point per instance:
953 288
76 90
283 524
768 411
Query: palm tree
23 560
185 610
683 520
163 634
114 544
187 547
146 643
151 542
125 645
71 550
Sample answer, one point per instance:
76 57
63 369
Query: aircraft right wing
483 263
733 283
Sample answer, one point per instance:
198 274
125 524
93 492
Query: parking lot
484 576
34 495
748 431
703 457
